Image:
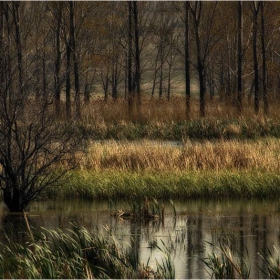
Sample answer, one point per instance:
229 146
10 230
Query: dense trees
144 48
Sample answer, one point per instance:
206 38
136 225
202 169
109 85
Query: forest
73 53
142 136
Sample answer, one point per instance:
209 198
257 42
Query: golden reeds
260 155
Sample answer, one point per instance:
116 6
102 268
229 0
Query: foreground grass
225 262
75 253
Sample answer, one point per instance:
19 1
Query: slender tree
57 80
129 59
264 67
256 9
75 58
196 12
187 62
68 77
137 53
14 7
239 56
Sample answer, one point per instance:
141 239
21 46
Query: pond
251 226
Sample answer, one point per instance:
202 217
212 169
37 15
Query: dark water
251 226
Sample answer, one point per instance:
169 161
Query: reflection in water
246 226
17 227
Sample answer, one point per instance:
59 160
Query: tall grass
74 253
163 110
261 155
161 119
272 263
224 264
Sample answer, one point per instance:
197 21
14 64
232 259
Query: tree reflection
18 227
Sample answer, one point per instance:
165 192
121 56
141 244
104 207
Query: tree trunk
129 66
105 83
75 61
68 80
44 75
201 75
187 62
114 81
240 56
196 15
15 12
255 56
137 55
86 90
14 199
160 90
155 75
264 72
57 86
169 82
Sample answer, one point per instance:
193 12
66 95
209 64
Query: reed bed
262 155
75 253
225 263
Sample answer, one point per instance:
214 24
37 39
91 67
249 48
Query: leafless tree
32 142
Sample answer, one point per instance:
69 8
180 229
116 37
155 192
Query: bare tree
72 35
239 56
129 59
205 39
187 62
32 143
137 53
256 9
264 63
30 149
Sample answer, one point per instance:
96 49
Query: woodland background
71 52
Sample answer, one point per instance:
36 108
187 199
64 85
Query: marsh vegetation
81 80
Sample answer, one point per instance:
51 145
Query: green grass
166 185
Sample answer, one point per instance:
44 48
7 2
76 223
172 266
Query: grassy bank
196 169
205 184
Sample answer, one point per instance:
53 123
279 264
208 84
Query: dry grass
173 110
261 155
155 109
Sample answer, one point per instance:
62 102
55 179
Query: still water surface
250 225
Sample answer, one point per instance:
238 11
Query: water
250 225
